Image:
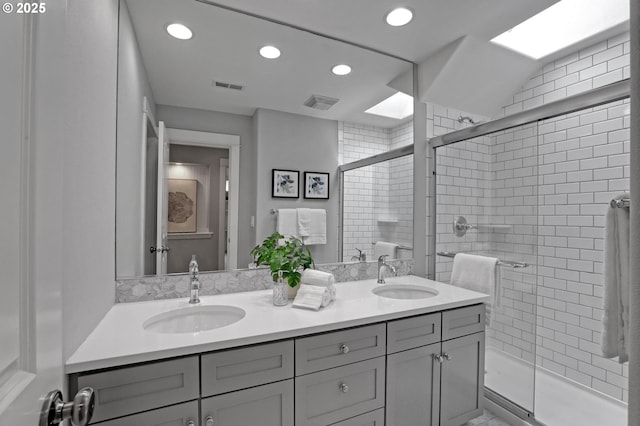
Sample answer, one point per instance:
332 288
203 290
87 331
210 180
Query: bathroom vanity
363 360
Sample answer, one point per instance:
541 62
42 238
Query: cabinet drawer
176 415
462 321
374 418
135 389
231 370
266 405
339 348
413 332
329 396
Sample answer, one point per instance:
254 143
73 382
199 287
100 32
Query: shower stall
532 190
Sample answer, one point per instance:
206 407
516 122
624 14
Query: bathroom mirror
290 113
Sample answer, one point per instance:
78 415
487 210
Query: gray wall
231 124
296 142
133 86
206 249
84 198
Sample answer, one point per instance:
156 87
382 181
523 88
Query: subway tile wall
378 199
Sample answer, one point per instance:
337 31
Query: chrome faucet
382 264
194 273
361 257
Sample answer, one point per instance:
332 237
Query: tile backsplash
221 282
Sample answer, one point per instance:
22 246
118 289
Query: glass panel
491 181
378 207
583 164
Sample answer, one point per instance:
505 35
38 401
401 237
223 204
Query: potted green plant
287 255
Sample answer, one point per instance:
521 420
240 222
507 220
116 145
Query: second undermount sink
404 291
192 319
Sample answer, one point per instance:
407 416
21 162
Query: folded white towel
381 248
321 279
311 297
615 318
477 273
304 222
288 222
317 227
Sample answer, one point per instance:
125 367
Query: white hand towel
311 297
317 227
381 248
304 222
615 318
288 222
477 273
321 279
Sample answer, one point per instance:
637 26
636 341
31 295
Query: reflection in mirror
288 113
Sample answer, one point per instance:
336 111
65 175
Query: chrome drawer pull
191 423
208 421
344 349
344 388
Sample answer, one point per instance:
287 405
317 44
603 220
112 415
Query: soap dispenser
280 291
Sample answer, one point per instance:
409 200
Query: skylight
397 106
563 24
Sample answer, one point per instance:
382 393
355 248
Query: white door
31 355
163 203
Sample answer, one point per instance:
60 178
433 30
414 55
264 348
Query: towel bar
508 263
623 203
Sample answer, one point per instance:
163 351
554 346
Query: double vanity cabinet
420 370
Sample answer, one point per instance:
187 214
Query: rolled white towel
321 279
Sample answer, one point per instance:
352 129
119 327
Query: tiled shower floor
558 402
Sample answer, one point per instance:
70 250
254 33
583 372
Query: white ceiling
449 39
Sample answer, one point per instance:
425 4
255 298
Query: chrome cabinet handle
438 357
344 388
191 423
446 356
344 349
79 411
208 421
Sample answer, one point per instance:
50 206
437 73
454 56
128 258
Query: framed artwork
285 183
316 185
183 205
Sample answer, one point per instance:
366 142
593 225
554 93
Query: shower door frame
600 96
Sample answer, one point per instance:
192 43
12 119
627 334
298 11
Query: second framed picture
316 185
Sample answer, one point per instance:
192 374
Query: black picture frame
316 185
285 183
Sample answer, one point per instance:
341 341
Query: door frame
232 143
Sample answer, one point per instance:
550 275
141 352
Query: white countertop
120 338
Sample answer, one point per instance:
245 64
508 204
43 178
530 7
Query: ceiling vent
231 86
320 102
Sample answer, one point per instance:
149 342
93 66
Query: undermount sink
404 291
194 318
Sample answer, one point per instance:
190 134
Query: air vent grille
231 86
320 102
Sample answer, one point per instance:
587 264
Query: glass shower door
492 182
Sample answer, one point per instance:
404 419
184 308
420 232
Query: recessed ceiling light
341 69
399 16
397 106
269 52
179 31
563 24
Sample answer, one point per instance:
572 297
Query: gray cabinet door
413 387
267 405
374 418
462 388
175 415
